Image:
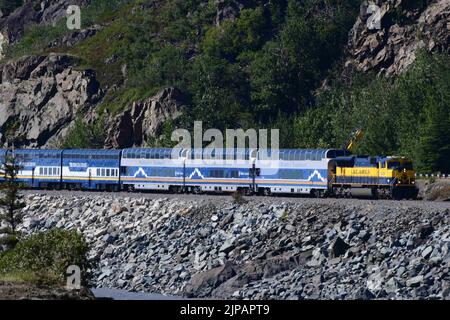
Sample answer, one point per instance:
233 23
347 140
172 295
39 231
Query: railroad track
227 199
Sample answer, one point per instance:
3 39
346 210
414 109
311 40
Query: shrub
44 257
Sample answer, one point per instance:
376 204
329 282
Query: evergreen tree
10 204
433 151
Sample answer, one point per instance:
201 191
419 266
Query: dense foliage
45 257
83 135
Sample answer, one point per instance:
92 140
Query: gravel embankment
266 248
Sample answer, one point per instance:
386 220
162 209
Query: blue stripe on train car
151 174
301 177
218 176
363 180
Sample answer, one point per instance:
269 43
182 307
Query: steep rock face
41 97
32 12
143 119
405 27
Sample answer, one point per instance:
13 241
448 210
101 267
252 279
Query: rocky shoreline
261 249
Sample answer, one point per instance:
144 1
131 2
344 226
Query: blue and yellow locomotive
387 177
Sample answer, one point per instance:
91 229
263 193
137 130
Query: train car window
103 173
291 174
108 172
234 174
45 171
393 164
98 172
302 156
41 171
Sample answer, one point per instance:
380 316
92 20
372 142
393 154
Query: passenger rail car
225 170
91 169
296 171
152 169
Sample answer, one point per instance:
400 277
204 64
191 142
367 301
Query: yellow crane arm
356 137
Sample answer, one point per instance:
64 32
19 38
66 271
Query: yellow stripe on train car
361 172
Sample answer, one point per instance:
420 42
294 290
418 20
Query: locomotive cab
398 172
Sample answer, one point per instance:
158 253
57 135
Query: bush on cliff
45 256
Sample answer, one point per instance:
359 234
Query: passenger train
319 173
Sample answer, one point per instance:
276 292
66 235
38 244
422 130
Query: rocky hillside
406 27
262 249
135 65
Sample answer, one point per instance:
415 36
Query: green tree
11 203
83 136
44 257
433 149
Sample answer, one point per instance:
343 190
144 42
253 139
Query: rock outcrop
136 124
32 12
405 28
229 10
41 96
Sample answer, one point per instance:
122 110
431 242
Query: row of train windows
163 172
28 157
91 156
44 171
107 172
147 156
223 174
301 157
